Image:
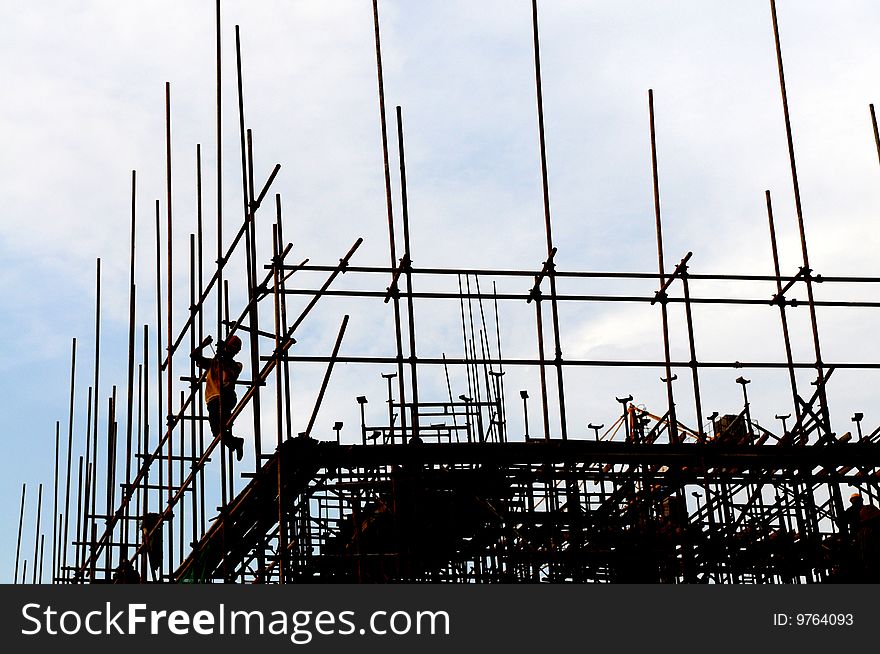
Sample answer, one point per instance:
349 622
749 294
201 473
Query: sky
85 104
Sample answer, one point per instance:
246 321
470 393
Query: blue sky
85 106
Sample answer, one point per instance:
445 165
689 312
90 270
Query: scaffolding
447 489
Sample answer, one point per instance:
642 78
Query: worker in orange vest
220 397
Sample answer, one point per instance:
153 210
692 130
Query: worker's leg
226 405
214 415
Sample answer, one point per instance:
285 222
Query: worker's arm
200 359
236 370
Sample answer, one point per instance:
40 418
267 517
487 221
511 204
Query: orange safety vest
221 377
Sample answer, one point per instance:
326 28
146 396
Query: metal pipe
63 559
140 492
545 415
477 397
698 404
500 362
55 501
801 229
461 296
392 248
327 374
131 348
111 472
95 395
220 262
286 368
673 422
554 309
645 363
230 475
279 415
88 487
37 533
79 507
414 380
18 541
253 320
874 126
201 325
784 320
820 372
169 313
180 471
247 182
145 467
584 274
192 372
42 555
219 273
161 421
640 299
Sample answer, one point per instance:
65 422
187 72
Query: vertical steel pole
828 436
279 414
247 184
800 218
194 383
42 556
111 480
18 542
414 380
201 326
55 504
220 263
146 498
287 408
79 507
500 362
391 240
231 470
65 541
170 307
140 451
795 398
465 351
180 470
539 322
695 375
87 471
37 534
93 560
551 273
162 422
874 126
254 319
673 422
131 347
95 396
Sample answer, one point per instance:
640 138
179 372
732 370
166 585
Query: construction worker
852 516
152 540
220 396
125 573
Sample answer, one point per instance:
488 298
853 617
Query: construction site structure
448 489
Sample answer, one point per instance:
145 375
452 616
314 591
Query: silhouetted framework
480 511
448 489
